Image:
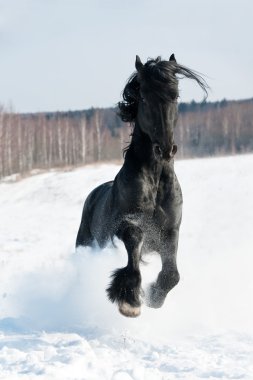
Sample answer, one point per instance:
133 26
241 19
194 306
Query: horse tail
84 236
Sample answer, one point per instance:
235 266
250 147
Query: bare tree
98 134
83 139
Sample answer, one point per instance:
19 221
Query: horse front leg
126 282
168 277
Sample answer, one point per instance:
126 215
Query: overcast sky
74 54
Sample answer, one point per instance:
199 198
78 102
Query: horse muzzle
164 153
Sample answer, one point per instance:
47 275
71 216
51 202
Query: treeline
61 139
46 140
218 128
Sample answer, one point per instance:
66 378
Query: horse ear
172 58
138 63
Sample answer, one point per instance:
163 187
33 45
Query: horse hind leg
125 286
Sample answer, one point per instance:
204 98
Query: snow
55 320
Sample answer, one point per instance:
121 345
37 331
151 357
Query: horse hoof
154 297
129 311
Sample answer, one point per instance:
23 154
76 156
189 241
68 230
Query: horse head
157 108
150 101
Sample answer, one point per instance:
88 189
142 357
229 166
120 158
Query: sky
77 54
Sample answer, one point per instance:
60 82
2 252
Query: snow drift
47 286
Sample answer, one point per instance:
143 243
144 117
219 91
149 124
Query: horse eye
143 100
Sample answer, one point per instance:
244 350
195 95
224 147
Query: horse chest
138 194
148 189
147 194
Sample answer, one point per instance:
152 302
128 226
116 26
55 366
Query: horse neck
141 145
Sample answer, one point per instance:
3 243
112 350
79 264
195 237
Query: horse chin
129 311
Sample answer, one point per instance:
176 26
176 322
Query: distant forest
65 139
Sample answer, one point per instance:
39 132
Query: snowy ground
55 320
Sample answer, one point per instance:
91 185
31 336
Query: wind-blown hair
157 77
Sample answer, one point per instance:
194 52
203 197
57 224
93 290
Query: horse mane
159 77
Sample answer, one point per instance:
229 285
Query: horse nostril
157 150
173 150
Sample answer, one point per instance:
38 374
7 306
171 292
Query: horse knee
130 234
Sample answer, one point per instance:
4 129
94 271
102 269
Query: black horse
143 205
